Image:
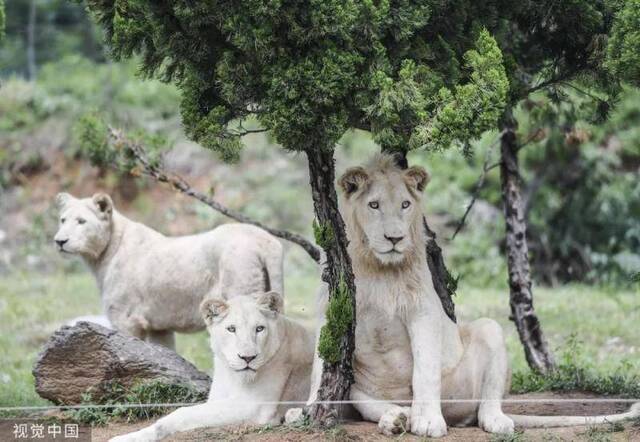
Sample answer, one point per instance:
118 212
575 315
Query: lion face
382 209
84 225
245 331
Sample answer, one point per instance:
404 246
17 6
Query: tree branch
477 187
119 139
485 169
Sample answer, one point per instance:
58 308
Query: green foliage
118 402
339 318
91 131
474 107
576 373
623 50
309 71
61 28
596 227
93 138
323 234
602 433
2 20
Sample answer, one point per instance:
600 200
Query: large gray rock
89 358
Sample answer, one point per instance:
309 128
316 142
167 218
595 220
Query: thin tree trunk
536 349
31 42
444 284
337 377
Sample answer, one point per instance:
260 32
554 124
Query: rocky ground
544 404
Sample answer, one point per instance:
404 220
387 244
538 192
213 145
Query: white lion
260 358
152 285
408 354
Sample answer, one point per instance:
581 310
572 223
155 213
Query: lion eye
81 220
231 329
259 328
406 204
374 205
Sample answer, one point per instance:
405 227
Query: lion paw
430 425
293 415
496 423
396 420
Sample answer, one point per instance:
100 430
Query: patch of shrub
120 402
574 373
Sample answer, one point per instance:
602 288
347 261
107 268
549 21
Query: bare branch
477 187
485 169
119 139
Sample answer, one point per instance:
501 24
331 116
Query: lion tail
525 421
272 268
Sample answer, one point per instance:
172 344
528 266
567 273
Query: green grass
601 322
142 393
574 318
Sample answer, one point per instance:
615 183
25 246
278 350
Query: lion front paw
496 423
395 420
293 416
429 425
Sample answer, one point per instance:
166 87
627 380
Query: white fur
152 285
245 392
407 349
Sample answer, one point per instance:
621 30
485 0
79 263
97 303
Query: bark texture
536 349
443 282
89 357
336 377
31 42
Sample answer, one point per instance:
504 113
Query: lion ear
353 180
417 177
271 301
103 203
62 199
213 309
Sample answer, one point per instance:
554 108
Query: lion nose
61 242
394 239
247 359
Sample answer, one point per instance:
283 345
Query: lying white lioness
260 358
151 284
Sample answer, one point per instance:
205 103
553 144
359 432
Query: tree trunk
31 42
337 374
536 350
444 284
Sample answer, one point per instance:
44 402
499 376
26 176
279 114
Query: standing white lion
409 355
261 358
152 285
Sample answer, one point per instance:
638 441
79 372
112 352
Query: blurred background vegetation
581 177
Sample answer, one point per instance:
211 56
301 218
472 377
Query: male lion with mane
407 350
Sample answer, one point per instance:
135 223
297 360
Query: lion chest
383 359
